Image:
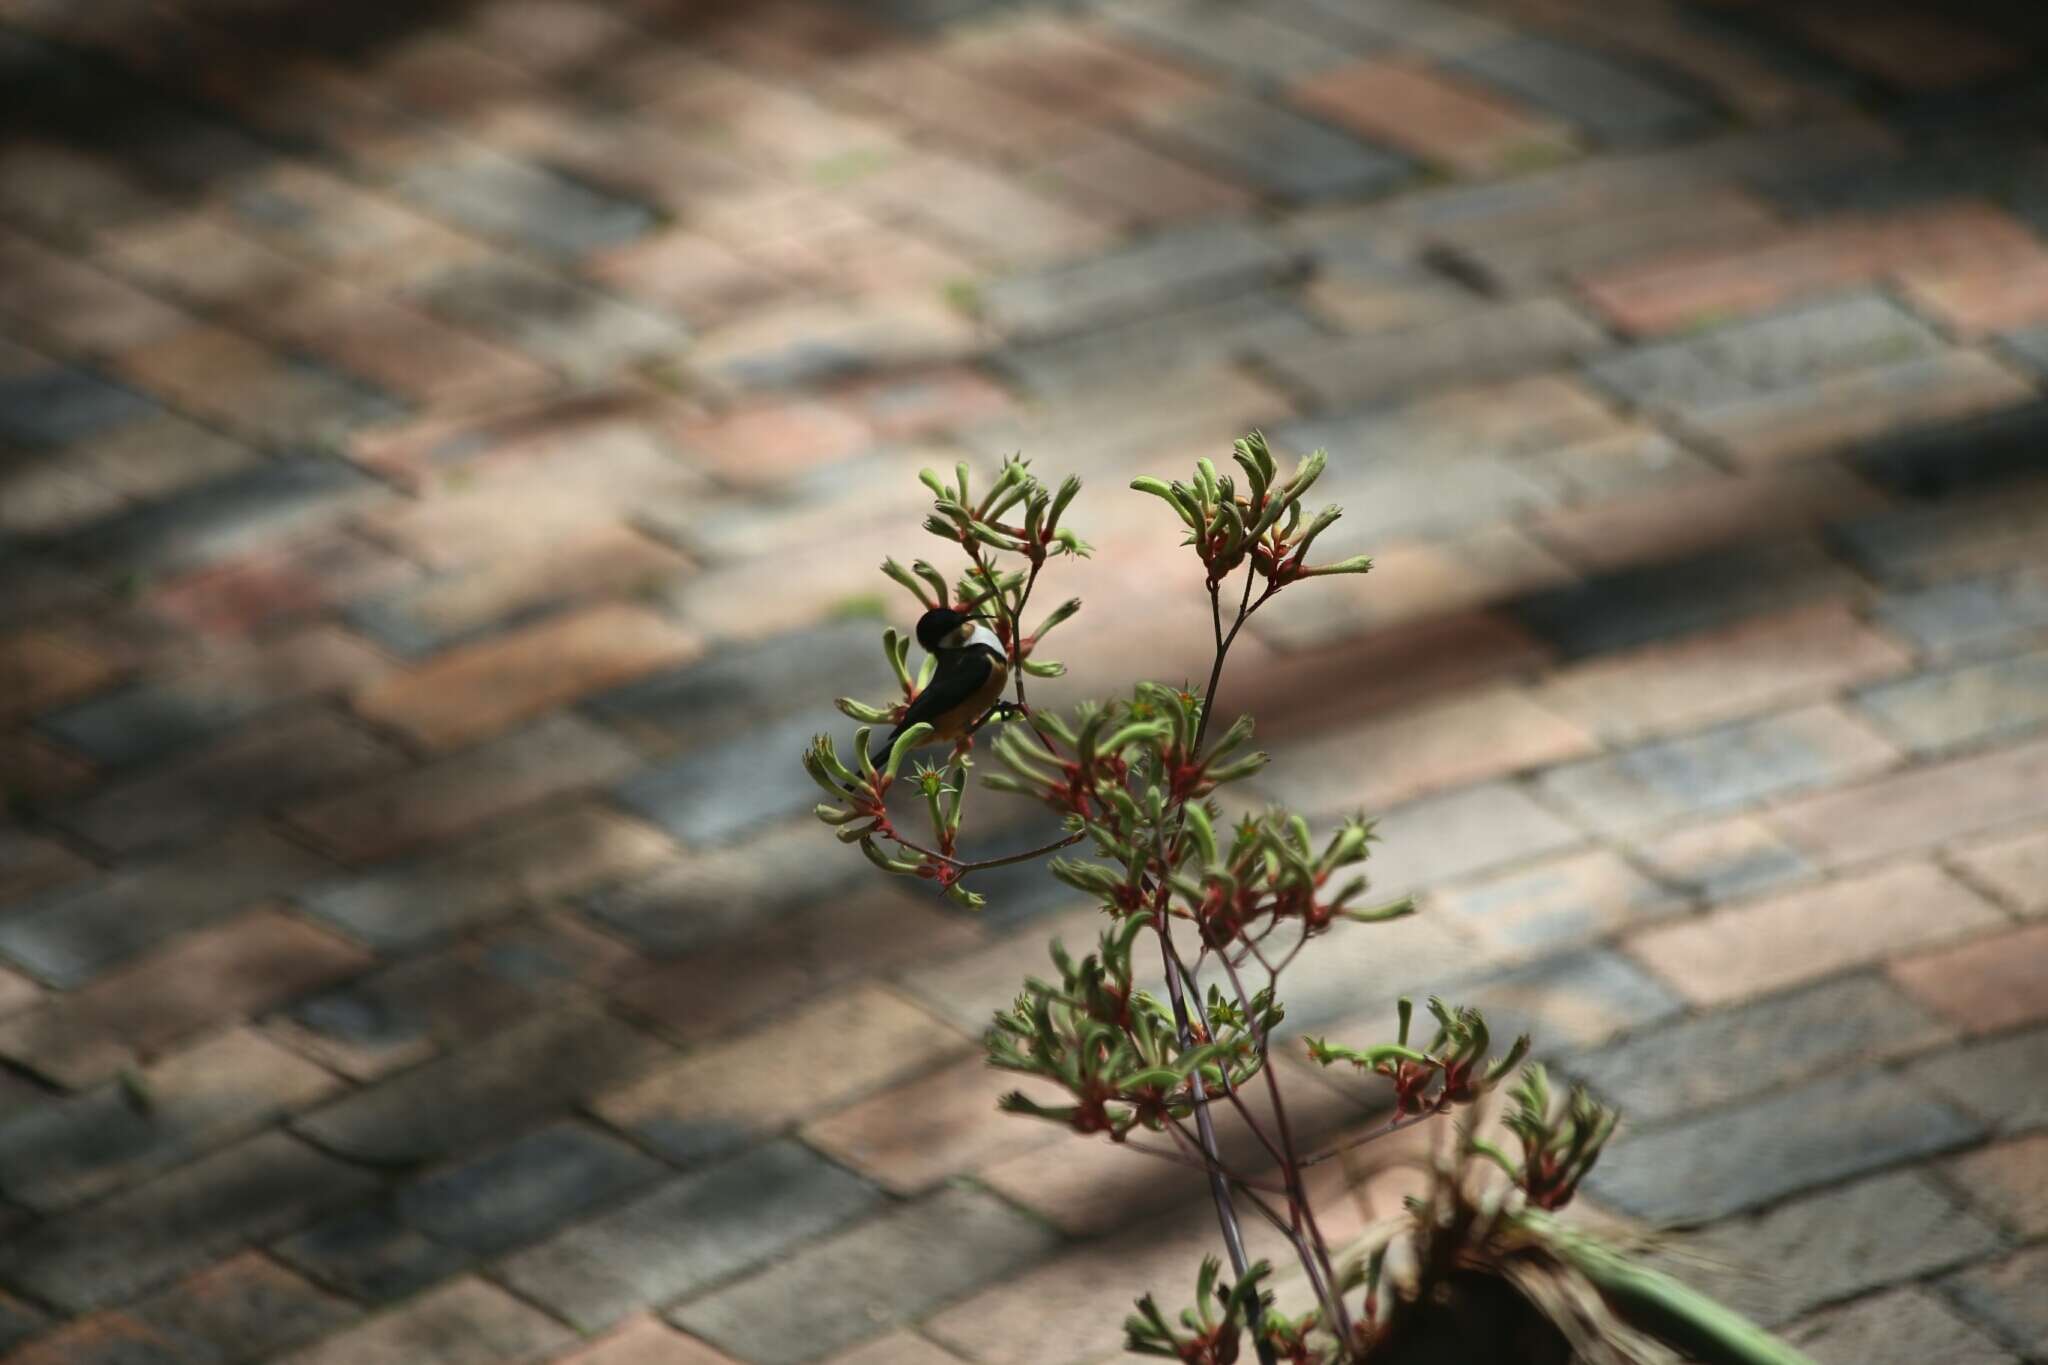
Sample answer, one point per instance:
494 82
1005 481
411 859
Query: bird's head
943 628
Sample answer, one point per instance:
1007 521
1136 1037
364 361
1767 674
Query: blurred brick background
444 452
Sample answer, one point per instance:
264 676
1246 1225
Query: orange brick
1659 524
1754 665
39 668
2009 1182
1921 806
1687 288
2013 868
32 768
766 441
1975 300
1392 759
474 691
1405 103
646 1341
898 1348
1985 985
914 1135
1794 937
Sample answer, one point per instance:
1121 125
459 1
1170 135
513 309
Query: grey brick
1774 1266
1955 537
71 934
1936 712
1730 1055
1476 344
721 790
1234 39
241 1311
1612 101
368 1254
521 202
1439 838
2007 1294
1280 152
1187 341
1980 1077
1899 1327
1571 1000
688 1234
19 1322
512 1195
1969 613
854 1285
1170 270
56 406
578 328
1738 1158
223 517
1765 355
404 1012
123 1246
1718 769
412 903
748 685
526 1071
254 767
1649 602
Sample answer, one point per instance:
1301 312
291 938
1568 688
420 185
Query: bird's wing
951 686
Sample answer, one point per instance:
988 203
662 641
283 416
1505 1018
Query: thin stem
979 864
1392 1125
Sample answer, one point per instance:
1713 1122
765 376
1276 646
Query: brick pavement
443 452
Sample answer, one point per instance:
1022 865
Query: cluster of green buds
991 527
1454 1069
859 807
1263 522
1561 1138
1213 1331
1116 1050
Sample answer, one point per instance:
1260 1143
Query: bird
967 684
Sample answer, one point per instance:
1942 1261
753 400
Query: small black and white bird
965 686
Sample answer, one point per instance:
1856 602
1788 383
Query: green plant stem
979 864
1707 1331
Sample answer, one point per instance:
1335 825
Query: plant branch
979 864
1392 1125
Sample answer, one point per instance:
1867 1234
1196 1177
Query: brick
804 342
272 588
1921 806
1723 859
65 1151
2009 1182
491 1203
1242 43
989 216
1713 1059
1910 49
1978 1076
570 326
533 860
952 104
1607 99
1893 402
1361 291
1502 341
214 690
898 1348
1759 356
134 1241
518 1074
242 1309
1968 614
827 1053
1114 173
1441 837
1984 986
39 668
720 790
967 987
1863 1236
1734 765
1278 152
1751 1154
1799 935
1622 532
403 1013
369 1255
29 863
107 1339
647 1341
895 1267
1935 712
1894 1328
252 390
1418 956
913 1136
1573 1000
236 969
65 1047
1085 68
54 406
223 518
265 762
476 690
2004 1294
688 1234
75 304
499 196
468 1322
765 442
72 933
1556 903
1406 104
1635 605
463 791
1720 281
1589 237
687 274
1952 539
2015 869
1798 655
1485 734
1973 298
1204 337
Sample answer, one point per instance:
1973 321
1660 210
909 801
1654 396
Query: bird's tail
880 757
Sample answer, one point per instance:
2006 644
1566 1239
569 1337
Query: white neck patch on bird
975 633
